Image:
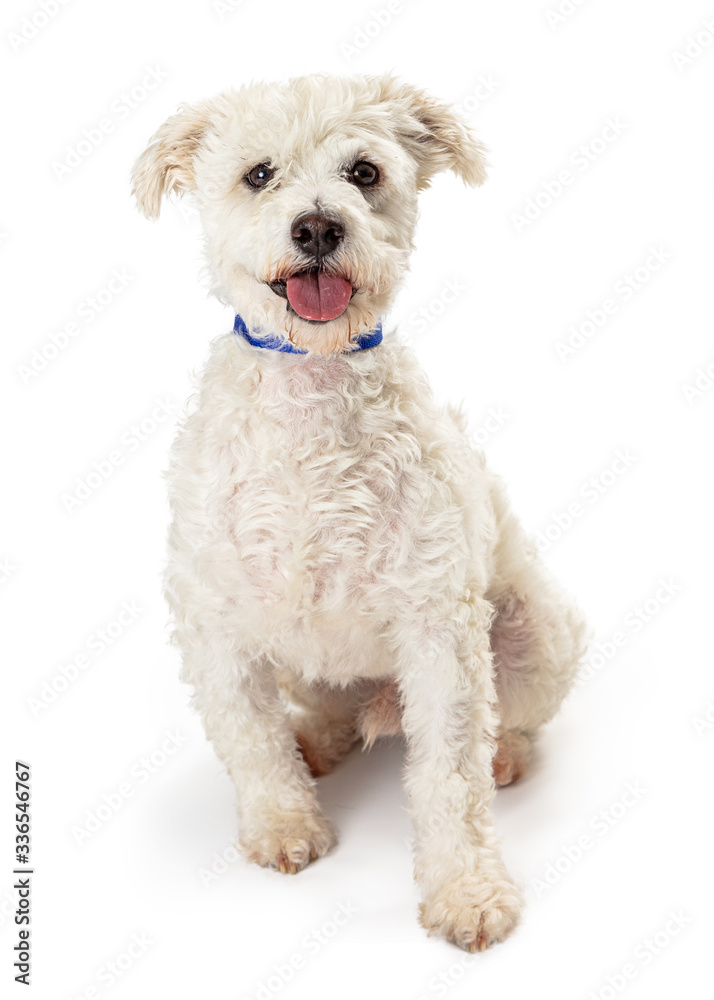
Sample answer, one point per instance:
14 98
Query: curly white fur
335 537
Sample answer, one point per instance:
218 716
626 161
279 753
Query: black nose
317 235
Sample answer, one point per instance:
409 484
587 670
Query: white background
553 87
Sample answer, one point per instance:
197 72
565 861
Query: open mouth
315 295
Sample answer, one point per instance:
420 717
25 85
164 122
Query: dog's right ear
167 163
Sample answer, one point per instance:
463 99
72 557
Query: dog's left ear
436 136
167 163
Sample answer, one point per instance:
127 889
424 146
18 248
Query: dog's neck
277 342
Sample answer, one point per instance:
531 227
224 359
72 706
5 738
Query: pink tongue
318 296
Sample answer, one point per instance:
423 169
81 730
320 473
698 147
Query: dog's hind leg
325 722
381 712
331 720
537 642
537 639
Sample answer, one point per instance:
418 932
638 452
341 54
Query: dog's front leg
280 822
447 694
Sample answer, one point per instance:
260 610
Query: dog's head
308 195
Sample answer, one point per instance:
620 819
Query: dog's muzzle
315 293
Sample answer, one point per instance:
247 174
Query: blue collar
276 343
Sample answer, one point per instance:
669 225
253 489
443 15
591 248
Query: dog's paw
290 842
473 912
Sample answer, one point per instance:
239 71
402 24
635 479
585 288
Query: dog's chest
329 490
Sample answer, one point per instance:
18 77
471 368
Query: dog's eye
365 174
259 176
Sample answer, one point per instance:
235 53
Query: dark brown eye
260 175
365 174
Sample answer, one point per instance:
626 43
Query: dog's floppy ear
167 163
436 136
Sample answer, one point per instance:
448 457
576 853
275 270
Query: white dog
337 544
